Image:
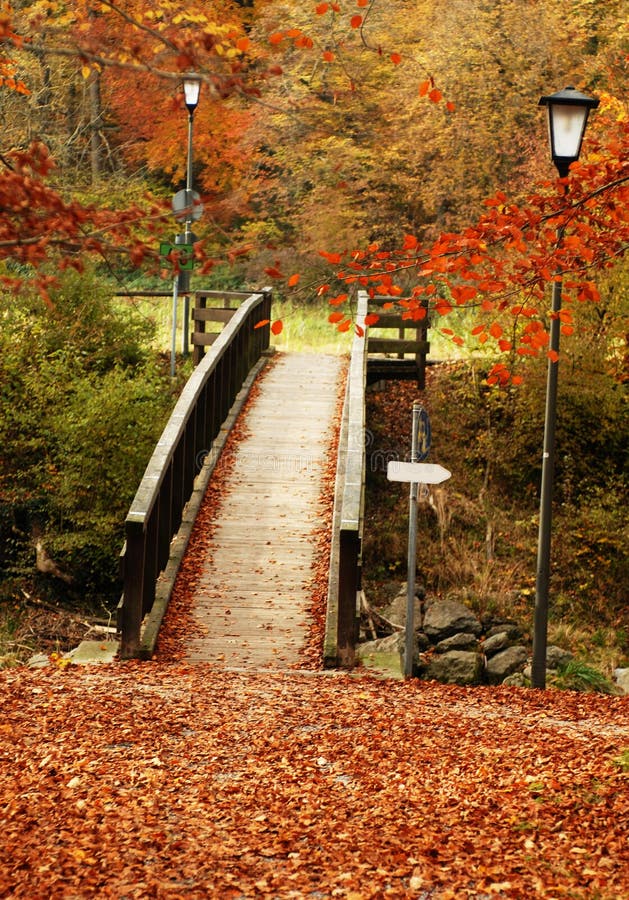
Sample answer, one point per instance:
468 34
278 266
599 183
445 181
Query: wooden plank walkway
252 598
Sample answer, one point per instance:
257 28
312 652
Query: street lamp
568 112
191 92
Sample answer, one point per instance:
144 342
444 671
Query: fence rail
410 340
168 483
347 529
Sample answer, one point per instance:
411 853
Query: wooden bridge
252 600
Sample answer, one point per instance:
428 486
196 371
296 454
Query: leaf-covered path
154 780
255 557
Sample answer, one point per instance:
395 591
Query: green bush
82 404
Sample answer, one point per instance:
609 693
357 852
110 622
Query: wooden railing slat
397 345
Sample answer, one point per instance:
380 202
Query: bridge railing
168 483
347 530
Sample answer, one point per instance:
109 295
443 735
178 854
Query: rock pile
455 647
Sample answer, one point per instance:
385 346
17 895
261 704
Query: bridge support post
131 613
348 587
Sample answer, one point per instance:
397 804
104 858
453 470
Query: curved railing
157 511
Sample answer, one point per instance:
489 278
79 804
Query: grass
604 649
577 675
305 327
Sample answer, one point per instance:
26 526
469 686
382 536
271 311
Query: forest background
320 128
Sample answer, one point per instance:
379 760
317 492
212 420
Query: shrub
82 403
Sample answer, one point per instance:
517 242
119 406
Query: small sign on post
415 472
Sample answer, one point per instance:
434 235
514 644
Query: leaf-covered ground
162 780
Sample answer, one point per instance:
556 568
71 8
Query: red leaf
435 95
356 21
261 323
336 317
424 88
294 280
344 326
273 272
333 258
371 318
396 59
322 9
277 326
328 56
276 38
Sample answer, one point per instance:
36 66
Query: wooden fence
402 357
168 483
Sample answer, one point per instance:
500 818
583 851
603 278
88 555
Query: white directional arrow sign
417 473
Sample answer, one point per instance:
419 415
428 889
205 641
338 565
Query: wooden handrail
347 530
158 508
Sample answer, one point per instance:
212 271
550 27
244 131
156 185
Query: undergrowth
477 532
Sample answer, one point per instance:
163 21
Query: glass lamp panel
567 124
191 89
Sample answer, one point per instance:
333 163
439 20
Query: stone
423 643
392 643
464 640
39 661
447 617
495 643
456 667
556 657
90 653
621 680
383 654
516 680
509 628
505 663
396 611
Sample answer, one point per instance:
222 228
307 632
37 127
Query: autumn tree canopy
396 147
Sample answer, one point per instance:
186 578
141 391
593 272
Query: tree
354 176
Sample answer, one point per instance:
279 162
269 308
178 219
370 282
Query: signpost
415 472
187 206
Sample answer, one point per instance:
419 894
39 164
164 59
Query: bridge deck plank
252 598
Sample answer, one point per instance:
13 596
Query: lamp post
191 90
568 112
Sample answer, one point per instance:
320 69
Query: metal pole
185 327
540 627
173 339
189 165
188 236
412 554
